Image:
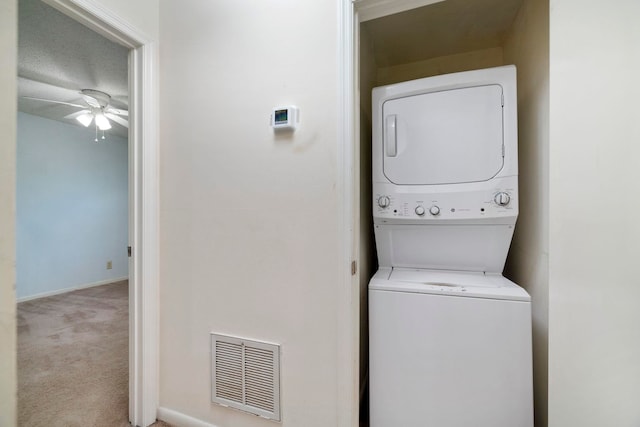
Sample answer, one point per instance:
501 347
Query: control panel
491 203
285 117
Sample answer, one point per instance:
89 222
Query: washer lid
441 282
445 137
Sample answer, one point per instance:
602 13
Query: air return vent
246 375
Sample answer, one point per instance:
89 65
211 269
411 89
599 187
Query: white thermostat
284 117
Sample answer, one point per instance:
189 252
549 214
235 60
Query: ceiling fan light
85 119
102 122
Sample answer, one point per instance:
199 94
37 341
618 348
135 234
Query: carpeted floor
73 359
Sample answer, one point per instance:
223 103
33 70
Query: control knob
384 201
434 210
420 210
502 199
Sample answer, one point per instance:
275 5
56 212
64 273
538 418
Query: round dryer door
446 137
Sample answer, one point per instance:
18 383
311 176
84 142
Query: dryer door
446 137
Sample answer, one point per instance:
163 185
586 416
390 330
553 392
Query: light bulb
85 119
102 122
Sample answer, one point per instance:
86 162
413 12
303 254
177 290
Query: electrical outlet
109 265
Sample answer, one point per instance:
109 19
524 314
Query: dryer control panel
499 200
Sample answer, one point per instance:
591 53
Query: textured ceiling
57 57
440 29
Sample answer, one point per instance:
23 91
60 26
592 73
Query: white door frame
143 199
348 332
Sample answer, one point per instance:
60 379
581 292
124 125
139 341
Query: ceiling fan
97 108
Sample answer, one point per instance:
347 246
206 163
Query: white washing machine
449 337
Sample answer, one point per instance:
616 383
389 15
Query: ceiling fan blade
77 114
52 101
93 102
117 119
117 111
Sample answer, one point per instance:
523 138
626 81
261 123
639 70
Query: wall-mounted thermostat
285 117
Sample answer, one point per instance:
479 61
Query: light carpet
73 359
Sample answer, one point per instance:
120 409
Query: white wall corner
8 85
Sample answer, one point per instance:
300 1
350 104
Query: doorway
72 215
143 203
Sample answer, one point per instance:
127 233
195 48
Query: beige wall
8 67
528 263
594 244
250 219
472 60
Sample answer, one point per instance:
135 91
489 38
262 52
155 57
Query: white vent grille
246 375
228 371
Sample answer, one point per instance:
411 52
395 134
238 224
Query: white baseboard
179 419
73 288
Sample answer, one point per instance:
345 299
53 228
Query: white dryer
450 338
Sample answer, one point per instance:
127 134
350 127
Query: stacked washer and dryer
450 337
